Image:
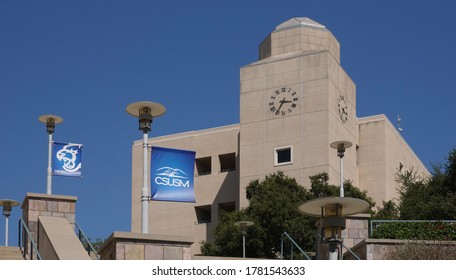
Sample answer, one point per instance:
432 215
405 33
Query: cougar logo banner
172 175
66 159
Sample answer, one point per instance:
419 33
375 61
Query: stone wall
36 205
356 229
139 246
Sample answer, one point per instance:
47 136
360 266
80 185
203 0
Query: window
203 214
227 162
283 155
227 206
203 166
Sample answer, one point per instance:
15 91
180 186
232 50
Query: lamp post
340 146
50 121
243 225
145 111
332 211
7 206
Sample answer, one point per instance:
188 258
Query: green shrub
416 231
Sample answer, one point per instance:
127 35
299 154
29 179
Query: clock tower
296 100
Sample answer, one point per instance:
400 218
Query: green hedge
416 231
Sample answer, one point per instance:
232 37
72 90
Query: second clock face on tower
283 101
343 109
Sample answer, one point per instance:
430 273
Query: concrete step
10 253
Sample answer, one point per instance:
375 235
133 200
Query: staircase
10 253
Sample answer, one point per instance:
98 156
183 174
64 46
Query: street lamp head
7 206
145 111
50 121
340 146
243 225
332 211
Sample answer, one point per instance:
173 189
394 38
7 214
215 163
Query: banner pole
145 111
49 169
50 121
145 189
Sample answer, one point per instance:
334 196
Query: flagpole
49 168
145 111
145 189
50 121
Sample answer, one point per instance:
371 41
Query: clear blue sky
87 60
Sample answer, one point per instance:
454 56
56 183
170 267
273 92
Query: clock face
283 101
343 109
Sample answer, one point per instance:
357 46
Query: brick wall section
138 246
356 229
36 205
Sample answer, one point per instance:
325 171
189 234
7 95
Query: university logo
172 175
67 159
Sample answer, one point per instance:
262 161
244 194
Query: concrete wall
58 241
381 152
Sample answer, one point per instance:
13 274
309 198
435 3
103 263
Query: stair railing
85 241
293 244
23 244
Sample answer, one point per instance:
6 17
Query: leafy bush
416 231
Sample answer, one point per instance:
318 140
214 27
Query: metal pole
145 190
341 176
6 232
49 169
243 246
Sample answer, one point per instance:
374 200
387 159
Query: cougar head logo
68 155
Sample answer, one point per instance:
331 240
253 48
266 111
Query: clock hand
281 103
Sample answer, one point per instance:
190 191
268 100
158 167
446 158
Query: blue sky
87 60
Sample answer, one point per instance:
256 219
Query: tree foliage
430 198
273 204
388 211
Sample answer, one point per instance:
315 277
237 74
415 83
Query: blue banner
66 159
172 175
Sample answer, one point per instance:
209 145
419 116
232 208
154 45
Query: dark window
283 156
227 162
203 214
227 206
203 166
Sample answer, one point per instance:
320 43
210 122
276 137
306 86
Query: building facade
294 101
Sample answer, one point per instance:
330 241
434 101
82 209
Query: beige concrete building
294 101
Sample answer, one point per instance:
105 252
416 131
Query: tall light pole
50 121
145 111
243 225
340 146
7 206
333 210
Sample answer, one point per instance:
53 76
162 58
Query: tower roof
299 22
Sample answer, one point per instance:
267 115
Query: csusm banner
66 159
172 175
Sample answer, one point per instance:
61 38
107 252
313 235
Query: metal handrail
83 238
22 225
293 243
351 252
